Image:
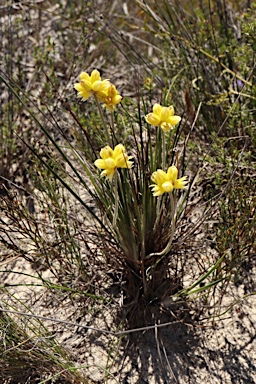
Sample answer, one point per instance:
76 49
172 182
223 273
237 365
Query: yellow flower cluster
113 159
163 117
102 89
111 98
167 181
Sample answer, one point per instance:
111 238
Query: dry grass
56 263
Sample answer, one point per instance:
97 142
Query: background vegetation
55 262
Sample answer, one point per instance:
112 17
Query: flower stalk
103 119
163 150
115 186
173 226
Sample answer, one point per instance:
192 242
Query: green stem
113 126
116 201
158 213
103 119
163 151
168 246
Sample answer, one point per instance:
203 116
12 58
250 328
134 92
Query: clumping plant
134 168
139 218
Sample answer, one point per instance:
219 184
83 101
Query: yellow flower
111 97
167 181
113 159
148 83
163 117
91 84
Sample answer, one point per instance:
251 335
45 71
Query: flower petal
84 76
118 150
166 127
181 183
165 114
122 161
95 76
167 186
153 119
117 99
174 120
171 110
172 173
100 163
159 177
97 86
110 163
86 84
108 173
106 152
157 109
78 87
156 190
101 96
105 84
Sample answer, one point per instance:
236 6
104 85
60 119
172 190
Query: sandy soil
214 351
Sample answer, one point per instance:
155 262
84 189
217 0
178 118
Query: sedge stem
116 201
163 150
169 244
112 124
103 119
